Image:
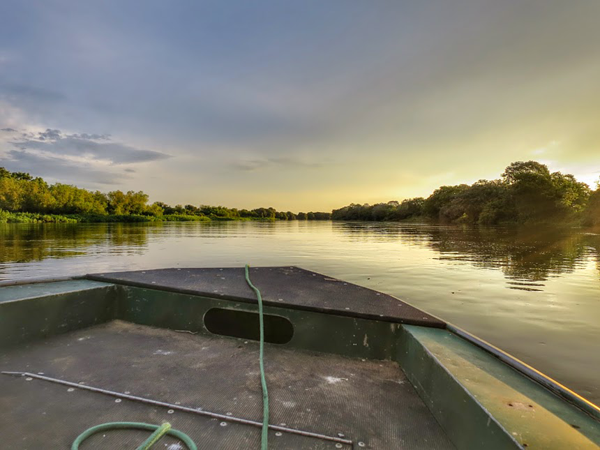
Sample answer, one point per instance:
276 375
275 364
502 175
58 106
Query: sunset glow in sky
304 105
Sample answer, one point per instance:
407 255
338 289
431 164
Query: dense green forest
24 198
527 192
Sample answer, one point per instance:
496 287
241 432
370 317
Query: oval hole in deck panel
245 325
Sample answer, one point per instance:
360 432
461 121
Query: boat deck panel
291 287
367 401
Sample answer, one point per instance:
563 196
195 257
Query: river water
534 293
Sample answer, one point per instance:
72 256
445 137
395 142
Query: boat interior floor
369 402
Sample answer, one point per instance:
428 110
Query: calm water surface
534 293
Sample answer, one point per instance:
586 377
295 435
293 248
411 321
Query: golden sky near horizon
300 106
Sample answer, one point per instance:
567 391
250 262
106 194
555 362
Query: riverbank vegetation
526 193
25 199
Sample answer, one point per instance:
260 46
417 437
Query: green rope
263 381
159 432
155 437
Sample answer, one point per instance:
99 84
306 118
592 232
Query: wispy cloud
60 169
282 162
88 158
93 146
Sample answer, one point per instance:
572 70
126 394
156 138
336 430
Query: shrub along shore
25 199
21 217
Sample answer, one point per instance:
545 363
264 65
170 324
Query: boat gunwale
530 372
41 280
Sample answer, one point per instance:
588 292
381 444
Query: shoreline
40 218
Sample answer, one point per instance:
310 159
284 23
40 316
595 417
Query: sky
305 105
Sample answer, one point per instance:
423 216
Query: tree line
24 198
526 192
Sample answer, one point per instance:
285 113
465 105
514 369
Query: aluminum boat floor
367 401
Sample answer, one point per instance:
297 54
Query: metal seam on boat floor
180 408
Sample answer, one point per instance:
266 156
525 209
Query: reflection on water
532 292
528 256
34 242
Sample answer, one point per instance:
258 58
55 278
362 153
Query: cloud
8 130
60 169
49 134
87 159
250 165
93 146
92 136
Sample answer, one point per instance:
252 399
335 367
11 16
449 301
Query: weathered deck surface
291 287
368 401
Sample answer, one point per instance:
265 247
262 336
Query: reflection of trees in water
36 242
528 255
525 255
227 229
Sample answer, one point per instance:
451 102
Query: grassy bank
18 217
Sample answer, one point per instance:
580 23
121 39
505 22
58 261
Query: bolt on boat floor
346 367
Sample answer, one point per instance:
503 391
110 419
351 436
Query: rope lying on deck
159 432
265 427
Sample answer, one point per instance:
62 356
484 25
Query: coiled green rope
263 381
159 431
